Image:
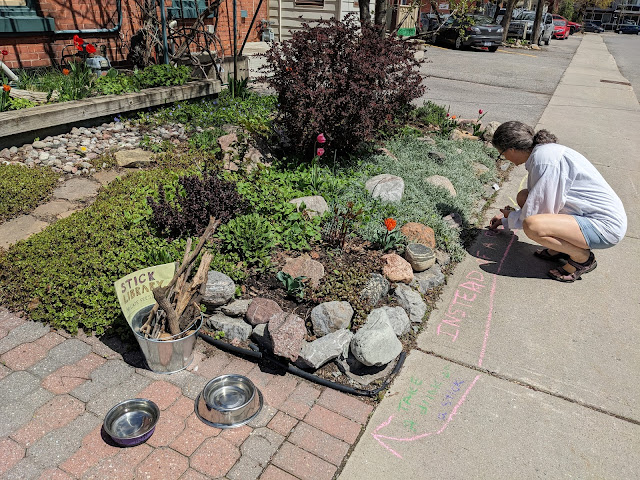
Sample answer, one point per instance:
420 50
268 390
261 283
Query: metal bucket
165 356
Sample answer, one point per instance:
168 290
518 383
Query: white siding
289 12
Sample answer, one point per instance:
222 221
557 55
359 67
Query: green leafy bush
114 83
433 115
20 103
248 236
22 189
342 79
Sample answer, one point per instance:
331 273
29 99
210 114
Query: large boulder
489 130
317 353
133 158
396 268
219 289
375 343
262 310
442 182
329 317
386 187
411 301
287 332
428 279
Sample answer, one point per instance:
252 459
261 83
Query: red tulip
321 138
90 48
390 223
480 112
320 152
6 88
5 52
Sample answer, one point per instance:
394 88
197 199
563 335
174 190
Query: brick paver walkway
56 389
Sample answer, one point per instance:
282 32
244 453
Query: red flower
321 138
77 40
390 223
5 52
65 71
480 112
320 152
6 88
80 48
90 48
447 114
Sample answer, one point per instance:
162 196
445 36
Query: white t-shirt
563 181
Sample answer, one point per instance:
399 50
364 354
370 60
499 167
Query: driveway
510 84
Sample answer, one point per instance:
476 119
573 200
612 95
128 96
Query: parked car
560 29
522 25
593 27
628 28
482 33
574 27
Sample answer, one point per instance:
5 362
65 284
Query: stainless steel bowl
132 422
228 401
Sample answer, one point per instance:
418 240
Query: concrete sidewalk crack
531 387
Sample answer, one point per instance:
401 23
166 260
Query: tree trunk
535 31
365 13
380 18
506 20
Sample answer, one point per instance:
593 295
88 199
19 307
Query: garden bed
30 121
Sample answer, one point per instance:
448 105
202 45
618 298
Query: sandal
545 255
562 275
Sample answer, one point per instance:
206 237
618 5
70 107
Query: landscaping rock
133 158
77 189
219 289
489 130
437 157
428 279
396 317
457 134
427 140
454 220
261 336
329 317
304 266
237 308
386 187
396 268
441 182
376 289
317 353
442 258
419 256
419 233
287 332
363 374
375 343
315 205
233 328
479 169
412 302
262 310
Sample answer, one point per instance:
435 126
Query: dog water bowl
228 401
132 422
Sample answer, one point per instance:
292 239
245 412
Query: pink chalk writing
462 302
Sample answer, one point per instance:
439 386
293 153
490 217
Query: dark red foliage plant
341 79
196 199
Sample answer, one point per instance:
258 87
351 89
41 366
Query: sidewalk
516 375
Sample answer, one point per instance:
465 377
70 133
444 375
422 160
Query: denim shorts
593 238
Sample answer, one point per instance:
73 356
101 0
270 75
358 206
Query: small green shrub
250 237
22 189
293 286
433 115
342 79
20 103
114 83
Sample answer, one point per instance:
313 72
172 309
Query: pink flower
321 138
320 152
447 114
480 112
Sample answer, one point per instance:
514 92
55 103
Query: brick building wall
45 49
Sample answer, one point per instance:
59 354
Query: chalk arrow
380 438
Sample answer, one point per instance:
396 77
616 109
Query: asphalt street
626 50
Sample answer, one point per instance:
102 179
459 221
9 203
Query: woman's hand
495 222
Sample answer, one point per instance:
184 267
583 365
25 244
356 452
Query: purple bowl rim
133 441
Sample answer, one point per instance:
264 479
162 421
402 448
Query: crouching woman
567 207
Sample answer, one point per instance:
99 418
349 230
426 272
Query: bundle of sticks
177 304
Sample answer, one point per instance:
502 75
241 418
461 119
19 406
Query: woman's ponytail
544 136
